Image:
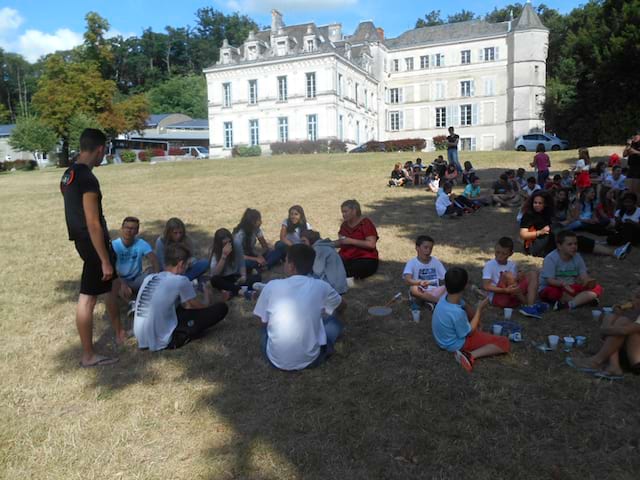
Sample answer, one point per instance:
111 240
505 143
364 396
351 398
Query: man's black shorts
91 282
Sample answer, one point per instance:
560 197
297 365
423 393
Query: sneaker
530 311
259 286
542 307
560 306
465 360
622 251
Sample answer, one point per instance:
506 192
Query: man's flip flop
100 362
608 376
569 361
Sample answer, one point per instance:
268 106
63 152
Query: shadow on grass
390 404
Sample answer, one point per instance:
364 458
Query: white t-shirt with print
492 271
634 217
292 308
294 237
432 271
442 202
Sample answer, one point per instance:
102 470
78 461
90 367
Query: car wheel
555 148
521 148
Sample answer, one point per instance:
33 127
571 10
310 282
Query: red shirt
542 161
365 228
583 179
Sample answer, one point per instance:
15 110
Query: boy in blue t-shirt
130 251
455 325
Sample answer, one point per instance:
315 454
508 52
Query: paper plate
379 311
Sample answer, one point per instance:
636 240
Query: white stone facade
307 82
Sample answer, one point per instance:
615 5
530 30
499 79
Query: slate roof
528 19
5 130
365 32
447 32
195 124
156 118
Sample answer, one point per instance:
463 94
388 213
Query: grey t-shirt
155 316
239 237
554 267
234 263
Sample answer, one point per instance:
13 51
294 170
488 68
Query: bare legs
84 324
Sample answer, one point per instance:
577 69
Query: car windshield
202 149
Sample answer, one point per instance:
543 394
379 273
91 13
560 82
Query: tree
186 95
96 48
431 19
5 114
77 124
32 135
462 16
127 115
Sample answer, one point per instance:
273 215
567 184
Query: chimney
380 33
276 21
335 32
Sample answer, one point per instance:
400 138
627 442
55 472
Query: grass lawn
389 404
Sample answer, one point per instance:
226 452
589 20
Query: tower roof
528 19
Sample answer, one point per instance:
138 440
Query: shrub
109 159
440 142
246 151
158 152
176 151
128 156
306 146
337 146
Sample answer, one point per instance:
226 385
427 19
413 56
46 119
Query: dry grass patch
388 405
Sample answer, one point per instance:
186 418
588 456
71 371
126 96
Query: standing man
452 150
88 230
632 152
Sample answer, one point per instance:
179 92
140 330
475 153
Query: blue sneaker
542 307
622 251
530 311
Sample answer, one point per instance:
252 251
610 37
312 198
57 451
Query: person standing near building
452 150
87 228
632 152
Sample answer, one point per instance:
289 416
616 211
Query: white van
196 151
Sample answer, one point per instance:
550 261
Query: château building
310 82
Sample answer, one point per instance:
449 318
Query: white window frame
424 62
312 127
340 86
468 141
283 94
254 132
465 55
395 96
283 129
441 117
395 121
489 54
395 65
408 64
226 95
253 92
466 115
466 88
438 60
227 129
311 85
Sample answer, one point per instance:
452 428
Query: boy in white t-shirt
425 274
300 329
509 288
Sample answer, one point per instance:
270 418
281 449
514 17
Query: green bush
128 156
440 142
245 151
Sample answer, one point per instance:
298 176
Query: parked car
530 142
196 151
370 146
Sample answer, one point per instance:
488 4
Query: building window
228 134
465 57
395 121
282 89
311 45
395 65
366 99
467 144
312 127
311 85
357 132
438 60
340 127
226 95
283 129
466 88
340 85
489 54
281 47
408 63
489 86
394 95
254 133
441 117
356 92
253 92
465 115
440 90
424 61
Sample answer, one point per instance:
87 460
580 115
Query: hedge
308 146
440 142
245 151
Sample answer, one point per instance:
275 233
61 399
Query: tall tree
430 19
462 16
32 135
186 95
97 48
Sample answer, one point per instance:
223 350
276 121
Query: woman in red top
357 243
542 163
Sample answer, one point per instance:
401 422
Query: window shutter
442 64
424 92
409 119
400 95
473 144
408 94
424 117
473 88
453 116
474 114
432 61
481 55
497 54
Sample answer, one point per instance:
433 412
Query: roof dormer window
310 45
281 47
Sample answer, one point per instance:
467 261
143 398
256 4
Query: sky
34 28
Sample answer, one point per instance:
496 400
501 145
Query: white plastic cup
350 282
496 329
553 341
415 315
569 342
507 313
580 340
596 314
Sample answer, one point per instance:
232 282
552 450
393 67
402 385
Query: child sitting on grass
456 326
425 274
328 265
509 288
564 280
448 206
297 312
